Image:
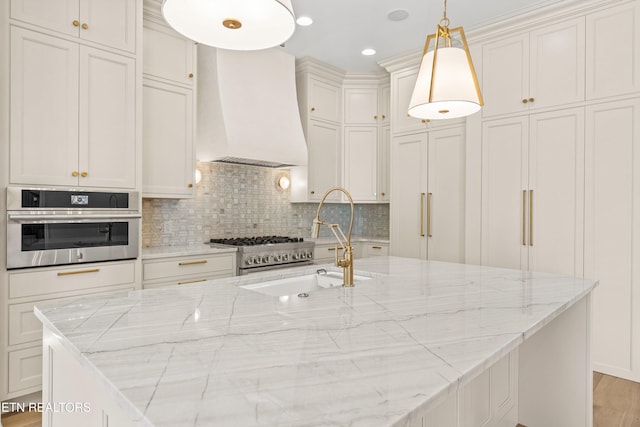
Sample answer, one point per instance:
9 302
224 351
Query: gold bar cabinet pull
71 273
429 214
530 217
191 281
204 261
524 217
422 214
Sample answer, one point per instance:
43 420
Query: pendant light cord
444 9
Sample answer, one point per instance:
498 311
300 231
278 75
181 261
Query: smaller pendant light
232 24
447 86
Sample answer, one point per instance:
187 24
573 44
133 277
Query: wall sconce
198 176
283 182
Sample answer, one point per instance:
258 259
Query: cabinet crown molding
313 66
522 22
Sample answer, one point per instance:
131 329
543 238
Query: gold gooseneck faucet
344 241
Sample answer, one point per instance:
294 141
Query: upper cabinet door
324 101
107 147
167 54
613 68
109 22
361 106
402 83
361 162
557 64
325 160
56 15
540 69
44 109
505 75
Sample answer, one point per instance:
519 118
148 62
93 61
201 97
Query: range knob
278 258
249 261
285 257
309 255
266 259
258 260
303 255
295 257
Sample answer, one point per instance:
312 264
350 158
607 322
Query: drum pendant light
232 24
447 86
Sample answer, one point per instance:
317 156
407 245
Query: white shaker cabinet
168 121
167 126
319 90
168 56
613 68
612 234
361 106
361 162
73 110
533 192
110 23
427 195
520 73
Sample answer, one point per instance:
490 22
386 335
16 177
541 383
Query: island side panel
72 396
555 375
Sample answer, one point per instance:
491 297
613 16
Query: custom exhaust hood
248 108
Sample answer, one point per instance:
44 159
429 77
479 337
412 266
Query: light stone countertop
332 240
377 354
173 251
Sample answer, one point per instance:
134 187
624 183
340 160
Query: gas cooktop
252 241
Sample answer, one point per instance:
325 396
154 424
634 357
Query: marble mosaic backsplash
238 201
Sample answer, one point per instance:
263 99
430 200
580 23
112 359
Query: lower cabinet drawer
204 266
323 254
185 281
25 368
70 279
373 249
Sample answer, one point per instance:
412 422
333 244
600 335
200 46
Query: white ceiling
342 28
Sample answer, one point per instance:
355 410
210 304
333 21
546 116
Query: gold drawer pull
203 261
74 173
331 249
191 281
190 75
85 26
376 247
84 174
70 273
75 23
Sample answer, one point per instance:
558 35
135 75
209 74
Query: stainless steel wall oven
57 227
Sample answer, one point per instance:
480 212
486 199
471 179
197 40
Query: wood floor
616 403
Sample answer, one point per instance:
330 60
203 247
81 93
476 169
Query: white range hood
248 108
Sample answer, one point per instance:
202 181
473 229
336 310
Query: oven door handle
20 217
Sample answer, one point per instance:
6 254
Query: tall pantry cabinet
553 170
427 177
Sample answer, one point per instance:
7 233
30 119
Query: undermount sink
301 284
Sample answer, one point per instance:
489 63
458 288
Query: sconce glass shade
232 24
446 87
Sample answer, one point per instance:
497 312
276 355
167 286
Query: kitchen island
417 343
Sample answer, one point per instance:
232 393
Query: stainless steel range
268 252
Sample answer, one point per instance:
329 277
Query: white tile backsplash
236 200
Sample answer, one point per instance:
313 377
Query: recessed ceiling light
304 21
368 51
398 15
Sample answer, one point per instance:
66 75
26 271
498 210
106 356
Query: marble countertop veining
378 354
